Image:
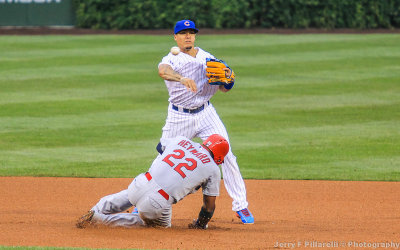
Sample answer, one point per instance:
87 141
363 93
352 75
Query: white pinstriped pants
202 125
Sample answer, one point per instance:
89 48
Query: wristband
230 85
204 217
159 148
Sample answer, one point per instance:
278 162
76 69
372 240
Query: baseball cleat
246 216
135 211
85 220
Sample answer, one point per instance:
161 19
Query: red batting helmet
218 146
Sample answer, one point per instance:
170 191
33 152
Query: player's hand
189 83
195 225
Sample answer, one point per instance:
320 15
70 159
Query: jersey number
179 155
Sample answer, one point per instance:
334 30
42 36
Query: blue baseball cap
185 25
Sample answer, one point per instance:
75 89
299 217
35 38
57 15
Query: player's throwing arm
166 72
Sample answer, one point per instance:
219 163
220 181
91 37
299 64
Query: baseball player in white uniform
181 169
190 112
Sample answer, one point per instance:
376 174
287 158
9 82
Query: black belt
190 111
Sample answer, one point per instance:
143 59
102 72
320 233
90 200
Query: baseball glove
219 73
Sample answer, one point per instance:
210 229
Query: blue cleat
135 211
246 216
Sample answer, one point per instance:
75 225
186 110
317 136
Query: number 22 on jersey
179 155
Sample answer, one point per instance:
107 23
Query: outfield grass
303 107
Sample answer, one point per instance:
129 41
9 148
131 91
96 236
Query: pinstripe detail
233 180
193 68
204 123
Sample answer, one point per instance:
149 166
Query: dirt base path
308 214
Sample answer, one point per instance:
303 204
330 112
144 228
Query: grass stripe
303 107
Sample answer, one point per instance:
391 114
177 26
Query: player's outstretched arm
206 213
166 72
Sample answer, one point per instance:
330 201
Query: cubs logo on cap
185 25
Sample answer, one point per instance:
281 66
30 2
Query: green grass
303 107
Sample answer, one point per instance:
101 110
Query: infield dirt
42 211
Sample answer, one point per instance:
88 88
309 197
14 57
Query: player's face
185 39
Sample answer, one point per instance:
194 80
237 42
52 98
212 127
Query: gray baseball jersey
181 169
184 167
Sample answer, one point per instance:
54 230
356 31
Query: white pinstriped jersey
184 167
201 124
195 69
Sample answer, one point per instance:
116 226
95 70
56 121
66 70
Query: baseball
175 50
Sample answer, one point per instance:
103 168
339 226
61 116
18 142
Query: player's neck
192 52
